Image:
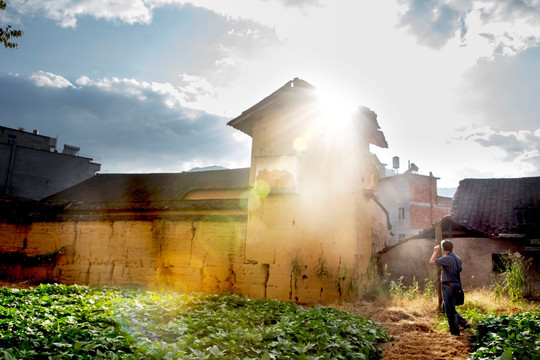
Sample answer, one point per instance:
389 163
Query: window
11 139
497 263
401 213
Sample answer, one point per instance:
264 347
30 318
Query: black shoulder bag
458 294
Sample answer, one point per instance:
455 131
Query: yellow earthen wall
186 256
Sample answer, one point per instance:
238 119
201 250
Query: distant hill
207 168
446 192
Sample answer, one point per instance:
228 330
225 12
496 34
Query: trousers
455 319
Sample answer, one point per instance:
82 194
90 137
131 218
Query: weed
429 288
322 271
346 282
322 267
512 280
376 285
297 267
399 289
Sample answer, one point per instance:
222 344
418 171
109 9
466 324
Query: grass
480 303
504 326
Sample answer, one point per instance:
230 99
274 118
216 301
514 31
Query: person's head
447 245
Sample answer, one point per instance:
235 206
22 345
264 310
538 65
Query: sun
335 123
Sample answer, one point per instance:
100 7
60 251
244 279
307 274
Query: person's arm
435 253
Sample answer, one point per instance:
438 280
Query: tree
8 33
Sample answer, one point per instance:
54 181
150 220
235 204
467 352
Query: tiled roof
501 207
145 191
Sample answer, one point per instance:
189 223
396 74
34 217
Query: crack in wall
202 272
267 276
111 273
191 240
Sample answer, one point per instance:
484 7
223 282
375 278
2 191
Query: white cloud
492 27
43 78
503 93
298 3
511 153
66 12
141 90
191 87
127 125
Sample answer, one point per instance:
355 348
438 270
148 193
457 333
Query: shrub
512 280
507 337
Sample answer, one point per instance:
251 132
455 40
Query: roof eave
244 122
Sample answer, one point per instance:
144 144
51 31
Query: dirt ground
413 329
411 325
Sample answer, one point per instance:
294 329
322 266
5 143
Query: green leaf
506 355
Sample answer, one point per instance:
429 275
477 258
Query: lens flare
261 188
335 121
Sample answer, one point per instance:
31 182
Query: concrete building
31 167
412 202
301 224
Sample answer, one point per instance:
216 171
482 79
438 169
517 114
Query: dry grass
420 331
484 298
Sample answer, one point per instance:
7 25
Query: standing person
451 267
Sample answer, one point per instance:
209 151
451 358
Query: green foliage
54 321
8 33
429 288
512 280
322 271
297 267
346 282
376 285
398 289
507 337
322 267
473 311
60 322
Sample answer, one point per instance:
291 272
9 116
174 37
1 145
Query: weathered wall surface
203 255
411 258
380 235
309 223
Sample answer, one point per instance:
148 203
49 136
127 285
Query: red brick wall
424 190
421 216
420 189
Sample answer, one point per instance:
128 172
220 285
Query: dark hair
447 245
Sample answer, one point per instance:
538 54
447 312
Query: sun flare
335 123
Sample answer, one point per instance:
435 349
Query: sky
149 85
